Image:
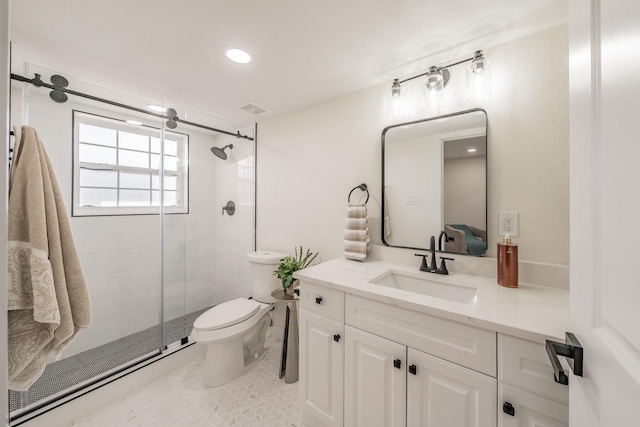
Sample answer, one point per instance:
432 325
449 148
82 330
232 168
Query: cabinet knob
397 363
508 409
413 369
318 300
336 338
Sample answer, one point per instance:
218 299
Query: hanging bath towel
47 295
356 233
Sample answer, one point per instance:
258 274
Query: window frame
182 172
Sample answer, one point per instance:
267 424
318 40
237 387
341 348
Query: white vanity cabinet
375 355
375 381
391 385
393 371
441 393
526 386
321 356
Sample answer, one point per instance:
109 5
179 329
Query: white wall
310 159
204 252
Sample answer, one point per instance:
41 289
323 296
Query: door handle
336 338
397 363
413 369
572 350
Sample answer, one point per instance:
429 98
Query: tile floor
256 399
73 370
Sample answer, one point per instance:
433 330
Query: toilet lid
227 314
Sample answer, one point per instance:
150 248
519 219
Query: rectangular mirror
434 180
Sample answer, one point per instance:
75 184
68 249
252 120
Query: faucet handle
423 265
443 266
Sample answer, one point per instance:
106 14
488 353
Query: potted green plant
288 265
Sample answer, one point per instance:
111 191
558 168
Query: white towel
356 233
47 296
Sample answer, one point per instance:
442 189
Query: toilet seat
227 314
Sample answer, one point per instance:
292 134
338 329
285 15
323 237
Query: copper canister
507 264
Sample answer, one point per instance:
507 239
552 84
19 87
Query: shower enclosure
145 194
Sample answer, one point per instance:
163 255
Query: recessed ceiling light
156 108
134 122
471 150
239 56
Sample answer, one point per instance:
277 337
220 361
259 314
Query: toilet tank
263 282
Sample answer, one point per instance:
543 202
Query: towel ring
362 187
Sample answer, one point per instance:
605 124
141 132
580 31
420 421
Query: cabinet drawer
465 345
530 409
526 364
324 301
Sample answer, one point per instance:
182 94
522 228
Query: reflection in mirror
434 179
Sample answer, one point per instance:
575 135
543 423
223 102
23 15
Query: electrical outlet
508 223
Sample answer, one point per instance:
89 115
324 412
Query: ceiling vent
252 108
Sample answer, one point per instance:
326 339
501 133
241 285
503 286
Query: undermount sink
422 283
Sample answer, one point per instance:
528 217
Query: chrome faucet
432 268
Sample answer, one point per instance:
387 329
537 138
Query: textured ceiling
303 51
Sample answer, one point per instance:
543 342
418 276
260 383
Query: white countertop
531 312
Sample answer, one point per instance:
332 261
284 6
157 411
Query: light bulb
478 79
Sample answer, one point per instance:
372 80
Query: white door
375 381
605 210
321 370
443 394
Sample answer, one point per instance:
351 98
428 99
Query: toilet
235 331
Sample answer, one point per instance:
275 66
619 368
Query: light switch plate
412 199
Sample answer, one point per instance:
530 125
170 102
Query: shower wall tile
173 253
122 282
96 240
119 305
135 237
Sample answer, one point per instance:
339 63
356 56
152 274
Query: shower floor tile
256 399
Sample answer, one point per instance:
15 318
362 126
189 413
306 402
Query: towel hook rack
362 187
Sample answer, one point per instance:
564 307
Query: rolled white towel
357 243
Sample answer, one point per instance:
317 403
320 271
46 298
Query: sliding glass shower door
148 202
123 175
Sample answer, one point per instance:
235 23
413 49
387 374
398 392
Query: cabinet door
530 410
375 381
321 370
443 394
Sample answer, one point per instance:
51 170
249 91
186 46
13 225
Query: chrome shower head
219 152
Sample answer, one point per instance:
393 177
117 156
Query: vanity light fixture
437 78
